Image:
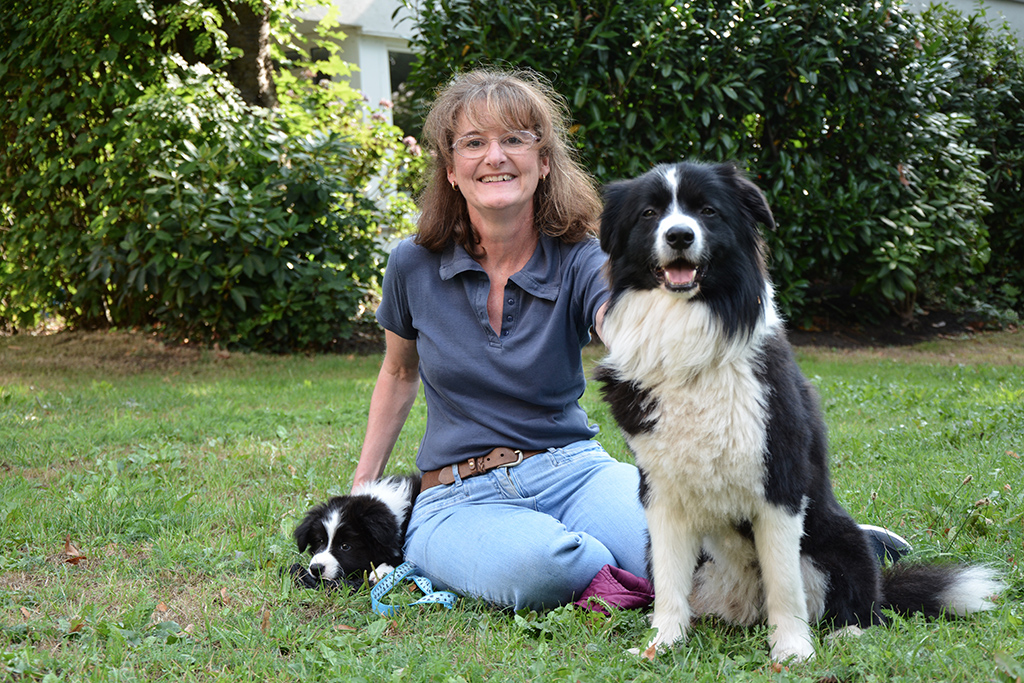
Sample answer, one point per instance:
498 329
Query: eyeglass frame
483 150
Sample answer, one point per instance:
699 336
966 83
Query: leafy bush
988 87
244 235
59 91
147 193
834 107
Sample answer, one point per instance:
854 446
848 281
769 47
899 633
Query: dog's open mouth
681 276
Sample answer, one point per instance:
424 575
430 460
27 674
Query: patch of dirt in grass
114 353
935 337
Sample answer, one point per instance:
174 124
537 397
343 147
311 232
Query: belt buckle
519 453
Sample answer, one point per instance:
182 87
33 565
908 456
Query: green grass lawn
148 495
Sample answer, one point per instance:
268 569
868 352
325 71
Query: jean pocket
438 498
576 451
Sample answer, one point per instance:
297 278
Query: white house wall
995 11
370 36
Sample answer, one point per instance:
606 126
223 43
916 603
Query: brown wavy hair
566 204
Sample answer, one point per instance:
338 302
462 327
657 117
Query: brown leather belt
499 457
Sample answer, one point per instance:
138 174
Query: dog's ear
614 225
302 531
752 199
380 526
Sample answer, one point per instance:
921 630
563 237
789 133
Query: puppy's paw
379 573
302 577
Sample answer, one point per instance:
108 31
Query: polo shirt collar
541 276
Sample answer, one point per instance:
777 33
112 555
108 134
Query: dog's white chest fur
705 450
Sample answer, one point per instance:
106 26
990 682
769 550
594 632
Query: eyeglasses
513 142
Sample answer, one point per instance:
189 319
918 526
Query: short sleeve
394 314
589 282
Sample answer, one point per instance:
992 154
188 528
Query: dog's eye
345 547
649 213
707 211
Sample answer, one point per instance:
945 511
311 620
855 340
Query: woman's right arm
392 399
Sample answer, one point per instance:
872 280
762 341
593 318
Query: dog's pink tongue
680 276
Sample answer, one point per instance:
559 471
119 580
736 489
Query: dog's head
692 230
673 226
349 536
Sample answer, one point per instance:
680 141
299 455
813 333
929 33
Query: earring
454 186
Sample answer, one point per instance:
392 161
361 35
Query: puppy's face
348 536
672 226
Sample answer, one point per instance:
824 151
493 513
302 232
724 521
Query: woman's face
502 179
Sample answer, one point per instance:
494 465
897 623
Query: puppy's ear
303 529
381 528
614 224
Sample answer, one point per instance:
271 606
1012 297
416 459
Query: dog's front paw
379 573
670 632
794 648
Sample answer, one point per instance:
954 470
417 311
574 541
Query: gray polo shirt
518 389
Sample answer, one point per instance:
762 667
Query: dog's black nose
316 570
679 237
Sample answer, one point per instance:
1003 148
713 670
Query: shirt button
511 301
508 318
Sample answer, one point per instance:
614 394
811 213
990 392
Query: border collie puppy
358 535
727 432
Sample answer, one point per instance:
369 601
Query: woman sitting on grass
491 304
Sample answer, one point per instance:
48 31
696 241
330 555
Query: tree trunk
253 72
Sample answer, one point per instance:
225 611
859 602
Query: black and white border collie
727 432
357 536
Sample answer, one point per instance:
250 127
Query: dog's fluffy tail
939 590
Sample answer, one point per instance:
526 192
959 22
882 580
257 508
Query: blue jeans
534 535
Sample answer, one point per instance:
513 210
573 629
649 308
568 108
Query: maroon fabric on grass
618 588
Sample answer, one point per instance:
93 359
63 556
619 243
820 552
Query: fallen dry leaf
265 623
72 554
224 596
651 652
344 627
25 612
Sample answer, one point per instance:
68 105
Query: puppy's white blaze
323 557
393 492
972 590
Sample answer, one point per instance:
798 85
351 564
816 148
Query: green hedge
988 85
840 111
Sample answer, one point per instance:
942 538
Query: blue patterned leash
408 571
